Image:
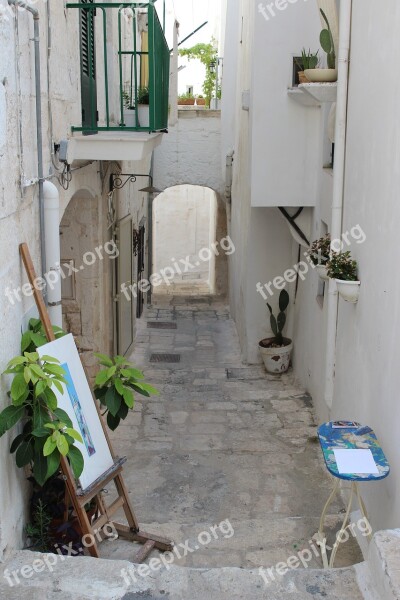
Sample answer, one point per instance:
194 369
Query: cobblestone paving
222 441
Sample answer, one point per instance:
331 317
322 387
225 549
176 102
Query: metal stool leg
320 537
343 528
363 509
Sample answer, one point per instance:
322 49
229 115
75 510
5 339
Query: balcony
125 68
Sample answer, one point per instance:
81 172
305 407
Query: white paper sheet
355 461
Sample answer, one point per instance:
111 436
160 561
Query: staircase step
83 578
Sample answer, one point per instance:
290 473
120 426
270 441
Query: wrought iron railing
142 64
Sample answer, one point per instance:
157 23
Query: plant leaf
104 359
74 434
58 385
112 421
281 321
49 446
132 373
26 340
76 460
53 462
101 377
40 387
49 359
128 398
39 466
274 325
62 445
38 339
113 400
123 411
54 369
145 389
283 300
16 442
63 416
51 399
18 389
24 454
119 386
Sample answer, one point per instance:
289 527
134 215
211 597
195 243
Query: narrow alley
223 441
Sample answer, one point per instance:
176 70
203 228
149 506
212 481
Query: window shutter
88 69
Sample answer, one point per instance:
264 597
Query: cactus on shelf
327 43
278 323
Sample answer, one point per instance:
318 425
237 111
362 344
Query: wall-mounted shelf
298 95
320 92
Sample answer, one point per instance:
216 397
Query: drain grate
244 374
161 325
165 358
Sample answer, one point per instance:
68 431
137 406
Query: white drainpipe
52 239
338 188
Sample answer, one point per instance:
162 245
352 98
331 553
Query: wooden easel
78 499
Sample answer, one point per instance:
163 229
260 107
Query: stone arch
185 229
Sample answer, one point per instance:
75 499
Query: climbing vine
206 53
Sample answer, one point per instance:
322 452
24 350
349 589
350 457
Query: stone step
383 567
49 577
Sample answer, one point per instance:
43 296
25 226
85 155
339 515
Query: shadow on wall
186 251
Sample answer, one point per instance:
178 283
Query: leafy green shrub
115 387
341 266
47 432
320 249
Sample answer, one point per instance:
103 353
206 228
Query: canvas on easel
97 474
77 401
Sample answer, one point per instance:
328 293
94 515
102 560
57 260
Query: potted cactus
328 45
276 351
343 269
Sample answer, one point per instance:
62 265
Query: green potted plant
47 432
207 54
343 269
328 45
186 99
115 386
319 255
309 60
276 351
129 110
144 106
200 100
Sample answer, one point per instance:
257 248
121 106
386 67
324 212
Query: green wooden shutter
88 70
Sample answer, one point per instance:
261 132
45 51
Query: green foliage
278 323
320 249
115 387
143 95
187 96
309 60
38 531
341 266
327 43
128 104
207 54
47 431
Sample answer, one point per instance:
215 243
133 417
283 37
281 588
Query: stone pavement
223 441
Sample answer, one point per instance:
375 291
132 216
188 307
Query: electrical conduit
338 189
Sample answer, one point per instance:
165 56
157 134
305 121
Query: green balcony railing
142 73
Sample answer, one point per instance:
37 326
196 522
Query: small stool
356 437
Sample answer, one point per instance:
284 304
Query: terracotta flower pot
186 101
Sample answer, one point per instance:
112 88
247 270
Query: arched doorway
185 229
86 277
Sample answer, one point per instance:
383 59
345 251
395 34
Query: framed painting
78 403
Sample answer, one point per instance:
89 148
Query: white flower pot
130 117
276 360
348 290
321 75
322 272
144 115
